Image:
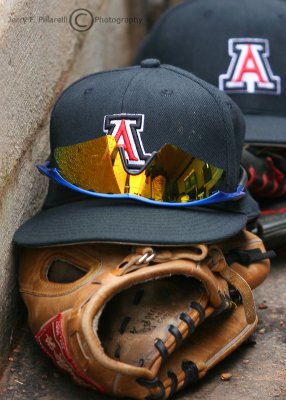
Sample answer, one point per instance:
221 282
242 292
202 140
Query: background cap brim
130 223
265 130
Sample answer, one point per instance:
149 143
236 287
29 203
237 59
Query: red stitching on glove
252 178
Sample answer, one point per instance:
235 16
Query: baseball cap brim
127 222
265 130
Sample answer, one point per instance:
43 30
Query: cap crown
160 104
238 46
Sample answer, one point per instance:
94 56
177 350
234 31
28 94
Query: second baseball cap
142 108
236 45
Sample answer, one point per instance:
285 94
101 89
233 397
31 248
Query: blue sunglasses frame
216 197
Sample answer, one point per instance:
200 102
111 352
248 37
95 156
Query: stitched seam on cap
127 86
141 70
246 13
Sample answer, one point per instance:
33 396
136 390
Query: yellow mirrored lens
172 175
94 165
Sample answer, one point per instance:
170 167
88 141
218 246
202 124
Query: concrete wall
37 60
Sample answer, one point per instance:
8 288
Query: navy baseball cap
239 47
171 106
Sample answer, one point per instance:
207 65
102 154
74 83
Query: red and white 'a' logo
127 129
249 70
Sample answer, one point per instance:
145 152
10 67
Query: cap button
150 63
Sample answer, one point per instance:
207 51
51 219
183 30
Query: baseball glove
143 323
267 172
267 183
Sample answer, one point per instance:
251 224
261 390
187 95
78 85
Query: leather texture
142 322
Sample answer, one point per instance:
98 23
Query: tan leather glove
142 323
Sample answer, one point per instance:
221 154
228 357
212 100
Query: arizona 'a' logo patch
249 70
127 129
